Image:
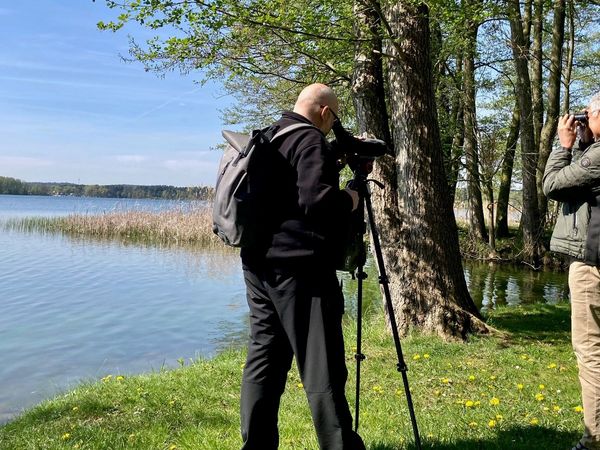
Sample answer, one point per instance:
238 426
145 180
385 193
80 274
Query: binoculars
582 118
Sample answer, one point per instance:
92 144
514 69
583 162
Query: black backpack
242 189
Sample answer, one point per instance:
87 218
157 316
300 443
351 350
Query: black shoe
580 446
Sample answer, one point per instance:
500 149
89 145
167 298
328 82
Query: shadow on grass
534 322
514 438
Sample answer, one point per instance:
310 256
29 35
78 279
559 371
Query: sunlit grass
514 391
177 227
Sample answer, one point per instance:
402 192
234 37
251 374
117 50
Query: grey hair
594 103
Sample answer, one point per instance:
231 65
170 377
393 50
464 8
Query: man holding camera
572 176
295 300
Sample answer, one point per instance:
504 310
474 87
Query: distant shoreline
13 186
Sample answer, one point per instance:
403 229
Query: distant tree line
14 186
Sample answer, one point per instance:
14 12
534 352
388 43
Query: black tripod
361 169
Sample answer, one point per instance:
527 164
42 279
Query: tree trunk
476 217
457 147
535 64
506 174
489 192
530 216
553 109
421 244
568 71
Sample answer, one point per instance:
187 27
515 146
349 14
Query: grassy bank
518 391
178 227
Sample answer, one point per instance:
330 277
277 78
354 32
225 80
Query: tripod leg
383 280
360 275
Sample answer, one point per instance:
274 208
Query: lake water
73 310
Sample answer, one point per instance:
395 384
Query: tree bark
535 64
476 217
506 173
421 244
530 221
553 104
568 70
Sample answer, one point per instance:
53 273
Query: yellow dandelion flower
378 389
477 403
520 386
469 403
534 421
492 423
417 356
300 385
542 387
539 396
499 417
445 380
471 377
426 355
578 408
399 392
66 436
172 447
551 366
494 401
556 408
120 378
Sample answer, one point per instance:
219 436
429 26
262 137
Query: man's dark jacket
308 212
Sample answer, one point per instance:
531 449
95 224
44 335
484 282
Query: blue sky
71 110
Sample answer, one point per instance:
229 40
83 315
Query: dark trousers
295 312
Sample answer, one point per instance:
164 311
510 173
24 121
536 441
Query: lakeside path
515 391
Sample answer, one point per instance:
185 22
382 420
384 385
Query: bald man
295 300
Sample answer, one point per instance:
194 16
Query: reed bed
171 227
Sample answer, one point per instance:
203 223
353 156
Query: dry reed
178 227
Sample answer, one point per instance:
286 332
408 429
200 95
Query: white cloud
131 158
188 164
23 162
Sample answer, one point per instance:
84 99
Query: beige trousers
584 285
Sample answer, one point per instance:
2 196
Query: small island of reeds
171 227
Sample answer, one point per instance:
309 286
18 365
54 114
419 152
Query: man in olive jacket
572 177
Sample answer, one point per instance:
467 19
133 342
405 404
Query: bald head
319 104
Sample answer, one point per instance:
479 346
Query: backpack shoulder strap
290 128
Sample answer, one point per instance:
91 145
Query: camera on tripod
358 153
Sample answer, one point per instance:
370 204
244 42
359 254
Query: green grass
515 391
